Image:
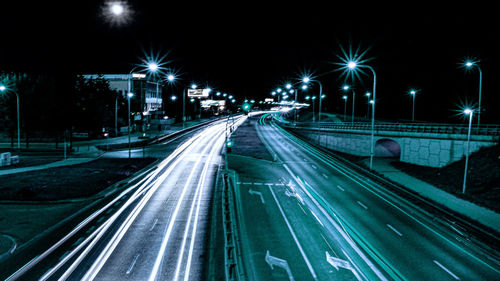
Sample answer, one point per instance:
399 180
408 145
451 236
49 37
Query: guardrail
232 264
434 128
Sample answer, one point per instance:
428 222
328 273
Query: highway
153 230
328 222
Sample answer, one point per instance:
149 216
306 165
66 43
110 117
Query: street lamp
3 88
352 66
413 93
469 112
129 96
344 97
346 88
469 64
308 79
368 95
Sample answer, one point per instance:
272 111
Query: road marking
153 226
317 218
314 167
257 193
324 175
340 187
446 269
302 208
362 205
257 183
328 244
132 264
294 236
336 262
393 229
274 261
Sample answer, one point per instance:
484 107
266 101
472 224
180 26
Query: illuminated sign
138 75
198 93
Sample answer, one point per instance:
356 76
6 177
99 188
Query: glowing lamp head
413 92
469 64
170 77
306 79
194 86
468 111
368 94
117 9
345 87
278 90
173 98
344 97
273 93
153 66
2 88
304 87
288 86
130 95
352 65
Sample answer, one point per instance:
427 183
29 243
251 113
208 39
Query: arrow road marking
257 193
274 261
336 262
294 194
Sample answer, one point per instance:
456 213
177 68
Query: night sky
248 48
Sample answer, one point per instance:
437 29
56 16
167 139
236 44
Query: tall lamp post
3 88
470 64
352 65
345 97
469 112
413 93
368 96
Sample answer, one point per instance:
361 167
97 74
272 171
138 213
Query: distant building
149 93
147 103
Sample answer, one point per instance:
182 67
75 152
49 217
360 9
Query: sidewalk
471 210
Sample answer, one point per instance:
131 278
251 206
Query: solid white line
395 230
132 265
446 269
294 236
362 205
317 218
340 187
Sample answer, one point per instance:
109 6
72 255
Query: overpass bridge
426 144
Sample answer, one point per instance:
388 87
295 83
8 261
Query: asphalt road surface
156 228
307 216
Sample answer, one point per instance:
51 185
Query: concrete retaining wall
422 150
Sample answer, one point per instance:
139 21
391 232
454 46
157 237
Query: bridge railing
435 128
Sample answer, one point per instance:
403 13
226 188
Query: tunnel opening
387 148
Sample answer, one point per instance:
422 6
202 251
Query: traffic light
229 145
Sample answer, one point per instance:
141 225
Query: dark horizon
248 51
